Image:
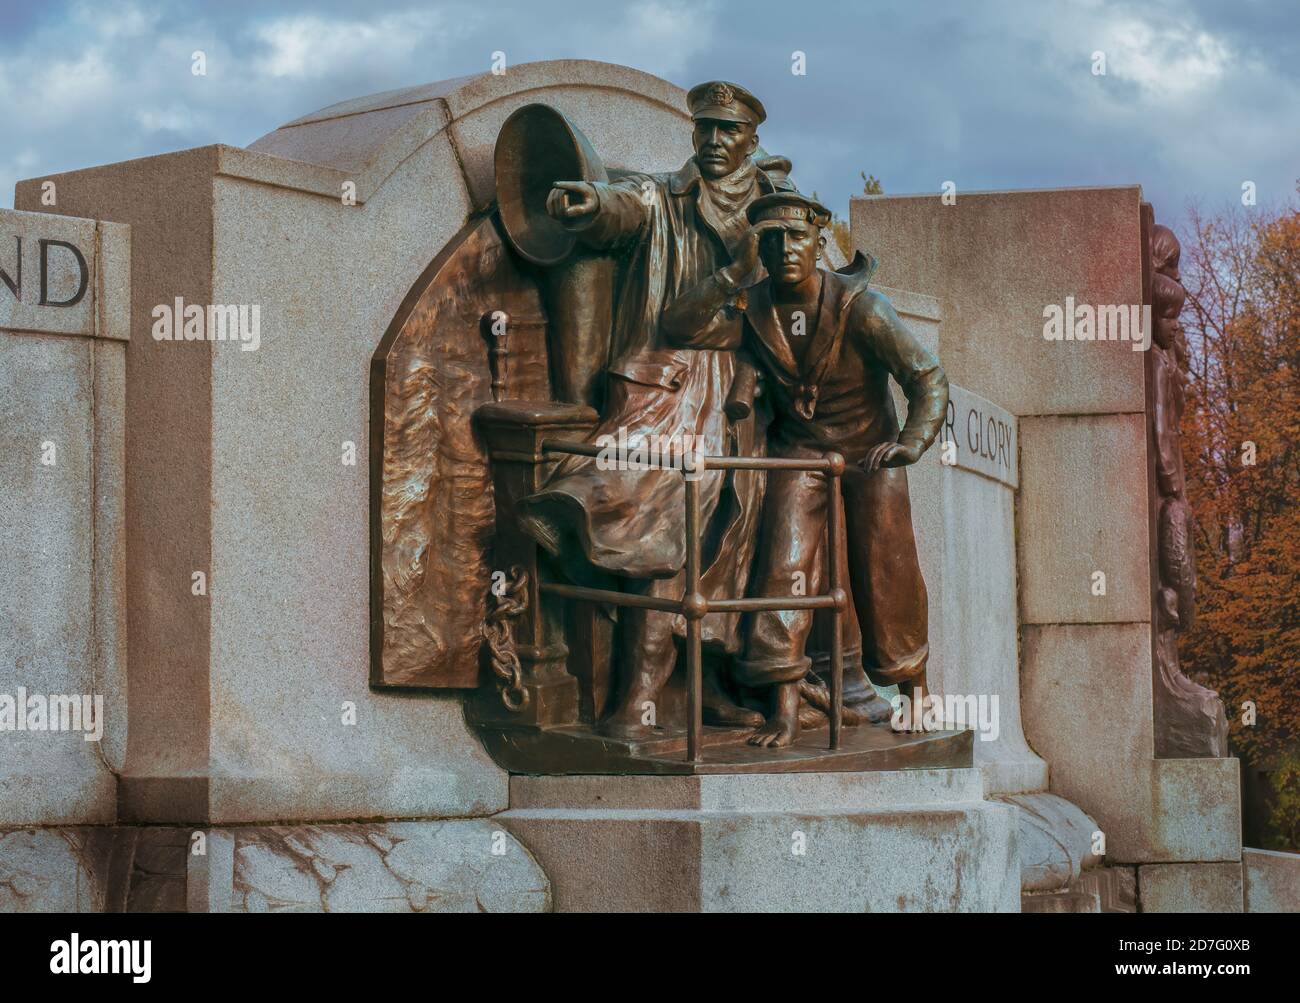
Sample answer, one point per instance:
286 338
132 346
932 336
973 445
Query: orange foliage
1242 274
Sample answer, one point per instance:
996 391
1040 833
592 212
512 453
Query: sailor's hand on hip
889 454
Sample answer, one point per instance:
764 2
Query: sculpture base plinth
889 841
582 750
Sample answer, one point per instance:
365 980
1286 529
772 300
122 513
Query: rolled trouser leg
857 690
884 571
794 523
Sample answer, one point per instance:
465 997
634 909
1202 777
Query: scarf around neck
723 201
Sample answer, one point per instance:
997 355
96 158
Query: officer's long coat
632 522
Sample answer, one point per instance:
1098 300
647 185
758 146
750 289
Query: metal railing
695 606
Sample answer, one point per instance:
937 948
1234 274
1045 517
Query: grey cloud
1197 97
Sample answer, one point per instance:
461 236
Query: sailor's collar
838 293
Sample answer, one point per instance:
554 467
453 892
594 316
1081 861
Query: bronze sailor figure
827 345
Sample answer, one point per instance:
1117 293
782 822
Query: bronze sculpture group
637 481
727 335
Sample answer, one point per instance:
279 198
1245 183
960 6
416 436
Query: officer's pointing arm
602 215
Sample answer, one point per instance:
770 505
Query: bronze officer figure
671 231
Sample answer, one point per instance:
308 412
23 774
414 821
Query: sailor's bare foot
718 708
918 698
782 728
777 733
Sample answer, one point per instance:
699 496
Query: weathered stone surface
1083 509
149 873
50 507
111 868
220 728
921 312
51 870
1060 902
167 201
282 415
361 142
1195 809
721 792
1272 881
806 842
1115 887
108 574
454 866
1056 841
1149 810
1190 887
92 869
113 282
965 534
365 139
995 260
62 414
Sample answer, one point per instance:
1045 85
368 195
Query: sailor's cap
791 206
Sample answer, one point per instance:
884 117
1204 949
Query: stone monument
322 539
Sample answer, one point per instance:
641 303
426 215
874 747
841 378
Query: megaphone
536 147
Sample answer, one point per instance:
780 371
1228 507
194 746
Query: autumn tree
1241 446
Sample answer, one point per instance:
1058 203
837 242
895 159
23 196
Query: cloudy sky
1197 97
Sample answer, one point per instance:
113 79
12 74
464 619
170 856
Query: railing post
834 545
694 606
